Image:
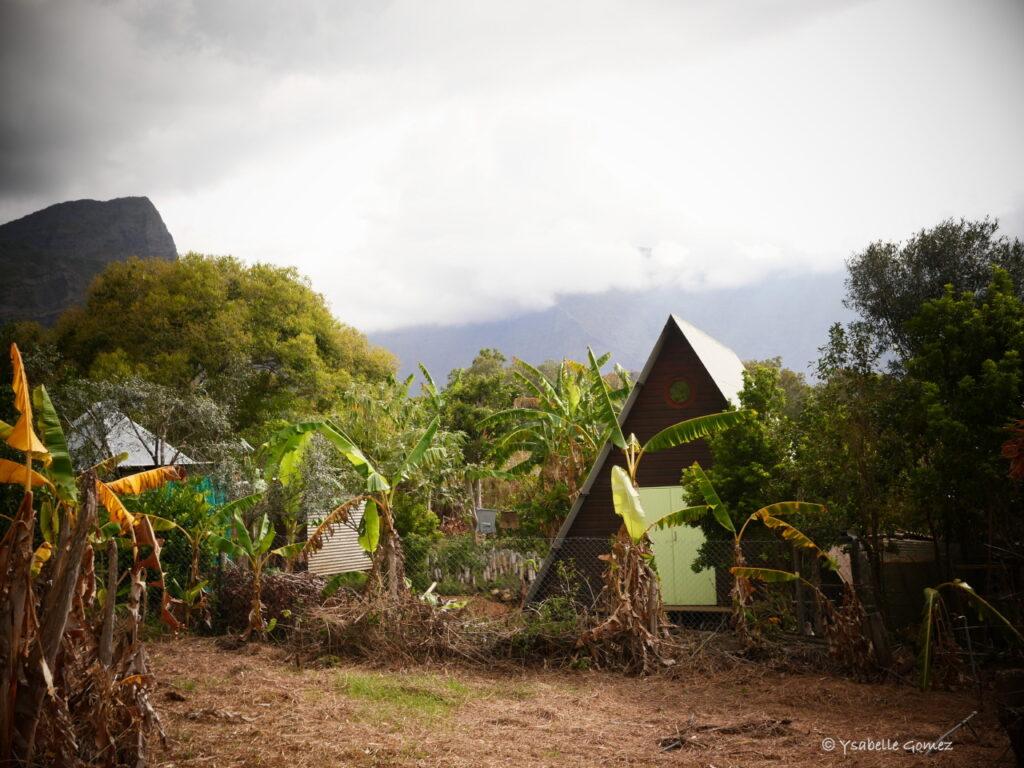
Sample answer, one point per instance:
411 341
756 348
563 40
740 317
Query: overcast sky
455 161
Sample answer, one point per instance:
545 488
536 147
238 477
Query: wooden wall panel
650 414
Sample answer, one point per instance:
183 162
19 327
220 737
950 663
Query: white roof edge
132 438
723 365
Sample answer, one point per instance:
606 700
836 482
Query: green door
675 550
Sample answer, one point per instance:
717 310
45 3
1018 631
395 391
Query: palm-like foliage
255 545
560 425
379 480
772 517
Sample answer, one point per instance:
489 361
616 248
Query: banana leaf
626 500
767 575
15 474
924 656
140 482
683 516
369 527
693 429
710 495
416 454
61 471
23 437
604 402
795 536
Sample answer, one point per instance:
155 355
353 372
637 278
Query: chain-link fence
695 578
697 583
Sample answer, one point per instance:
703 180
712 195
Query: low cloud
461 161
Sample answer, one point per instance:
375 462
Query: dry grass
250 708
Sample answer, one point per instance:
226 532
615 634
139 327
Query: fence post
798 593
819 621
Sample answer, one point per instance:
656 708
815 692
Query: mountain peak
49 258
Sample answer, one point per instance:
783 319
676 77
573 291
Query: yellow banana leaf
40 556
118 512
23 437
140 482
14 473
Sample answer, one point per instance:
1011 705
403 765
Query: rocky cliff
49 258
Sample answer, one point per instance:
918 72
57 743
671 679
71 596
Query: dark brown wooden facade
651 409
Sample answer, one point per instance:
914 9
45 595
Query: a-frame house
688 374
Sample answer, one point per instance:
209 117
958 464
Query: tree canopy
258 337
889 281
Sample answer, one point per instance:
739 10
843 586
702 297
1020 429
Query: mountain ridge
785 315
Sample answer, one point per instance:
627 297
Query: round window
679 393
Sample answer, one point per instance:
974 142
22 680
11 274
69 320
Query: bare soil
252 708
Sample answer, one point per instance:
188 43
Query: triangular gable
721 370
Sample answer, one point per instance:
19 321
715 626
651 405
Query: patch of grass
421 695
185 684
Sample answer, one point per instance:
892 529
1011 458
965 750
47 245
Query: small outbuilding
486 520
687 374
103 432
341 552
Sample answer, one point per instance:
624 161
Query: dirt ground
251 708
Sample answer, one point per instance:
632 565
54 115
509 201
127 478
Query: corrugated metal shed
341 552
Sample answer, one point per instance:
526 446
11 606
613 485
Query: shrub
284 596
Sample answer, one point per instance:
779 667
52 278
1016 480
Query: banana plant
70 534
932 622
771 516
377 533
213 522
257 548
559 426
635 613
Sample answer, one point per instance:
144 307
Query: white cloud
467 160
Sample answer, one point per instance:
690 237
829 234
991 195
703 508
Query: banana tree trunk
54 618
15 626
106 650
256 605
387 571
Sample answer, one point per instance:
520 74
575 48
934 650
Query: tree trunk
387 571
256 602
630 635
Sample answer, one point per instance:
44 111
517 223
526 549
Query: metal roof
724 365
105 430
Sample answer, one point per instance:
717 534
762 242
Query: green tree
257 337
850 453
888 282
471 396
964 384
754 459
